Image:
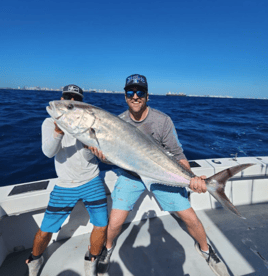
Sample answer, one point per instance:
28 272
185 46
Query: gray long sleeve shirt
74 164
161 128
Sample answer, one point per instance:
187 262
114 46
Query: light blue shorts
128 189
62 201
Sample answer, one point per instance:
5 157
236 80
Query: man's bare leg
194 227
116 221
197 231
41 241
97 240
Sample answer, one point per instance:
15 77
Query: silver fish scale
148 158
121 143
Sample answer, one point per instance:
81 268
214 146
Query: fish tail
216 185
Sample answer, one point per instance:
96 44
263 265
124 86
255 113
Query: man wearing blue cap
174 199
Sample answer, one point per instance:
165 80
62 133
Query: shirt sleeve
51 140
87 154
170 140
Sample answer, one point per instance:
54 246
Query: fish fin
92 135
216 185
148 181
92 142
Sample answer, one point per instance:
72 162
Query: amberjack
129 148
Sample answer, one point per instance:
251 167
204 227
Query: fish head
72 116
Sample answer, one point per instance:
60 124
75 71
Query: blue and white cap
72 88
136 80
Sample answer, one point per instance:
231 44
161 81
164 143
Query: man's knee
189 216
117 218
43 235
101 229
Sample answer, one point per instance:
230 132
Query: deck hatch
193 164
21 189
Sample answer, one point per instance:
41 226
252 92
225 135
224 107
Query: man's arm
171 142
99 154
197 184
87 154
51 138
186 165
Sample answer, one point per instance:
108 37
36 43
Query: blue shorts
128 189
62 201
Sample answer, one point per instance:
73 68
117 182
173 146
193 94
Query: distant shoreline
120 92
59 90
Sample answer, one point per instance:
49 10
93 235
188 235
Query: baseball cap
136 80
72 88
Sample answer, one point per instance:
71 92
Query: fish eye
70 106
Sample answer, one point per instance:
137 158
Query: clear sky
199 47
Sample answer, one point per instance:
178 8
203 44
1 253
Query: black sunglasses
140 94
69 96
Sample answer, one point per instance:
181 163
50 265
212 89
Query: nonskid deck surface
161 246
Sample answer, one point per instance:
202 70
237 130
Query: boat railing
22 206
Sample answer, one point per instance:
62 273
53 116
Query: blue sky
196 47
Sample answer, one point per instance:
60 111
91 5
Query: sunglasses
69 96
140 94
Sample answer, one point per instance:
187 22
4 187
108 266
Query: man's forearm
51 139
185 164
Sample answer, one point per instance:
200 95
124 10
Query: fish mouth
50 111
57 118
53 112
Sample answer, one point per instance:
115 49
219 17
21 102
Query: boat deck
161 246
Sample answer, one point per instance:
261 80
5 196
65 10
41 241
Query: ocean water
206 127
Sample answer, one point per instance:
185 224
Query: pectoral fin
92 134
93 138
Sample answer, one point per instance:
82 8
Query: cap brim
136 85
73 92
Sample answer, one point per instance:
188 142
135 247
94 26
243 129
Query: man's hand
57 129
198 185
96 152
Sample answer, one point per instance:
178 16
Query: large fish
129 148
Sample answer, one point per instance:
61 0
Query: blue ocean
206 127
